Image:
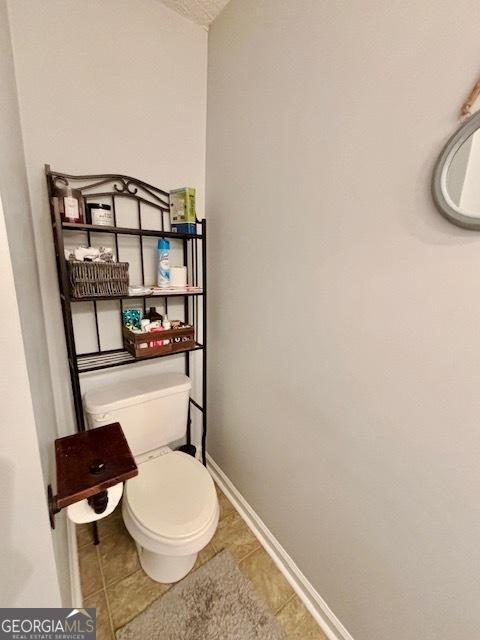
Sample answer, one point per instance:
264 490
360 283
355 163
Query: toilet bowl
171 511
171 508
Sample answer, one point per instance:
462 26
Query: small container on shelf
99 214
178 339
182 210
70 204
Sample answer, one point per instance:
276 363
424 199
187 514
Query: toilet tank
152 411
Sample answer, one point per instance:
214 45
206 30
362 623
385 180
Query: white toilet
171 508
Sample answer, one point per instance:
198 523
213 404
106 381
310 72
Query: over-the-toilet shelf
149 220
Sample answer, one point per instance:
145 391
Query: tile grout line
285 604
94 593
290 597
225 548
250 553
81 553
90 542
117 580
107 601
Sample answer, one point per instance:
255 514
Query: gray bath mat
216 602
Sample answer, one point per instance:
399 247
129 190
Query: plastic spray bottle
163 263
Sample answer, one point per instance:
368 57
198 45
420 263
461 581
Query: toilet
171 508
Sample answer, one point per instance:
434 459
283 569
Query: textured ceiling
202 12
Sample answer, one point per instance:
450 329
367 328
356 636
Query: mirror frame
440 195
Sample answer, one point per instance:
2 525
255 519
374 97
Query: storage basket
102 279
143 345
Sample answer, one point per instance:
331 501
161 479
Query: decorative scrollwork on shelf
62 179
115 185
125 186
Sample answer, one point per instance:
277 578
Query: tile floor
114 583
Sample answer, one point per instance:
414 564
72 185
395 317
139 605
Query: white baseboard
75 587
326 619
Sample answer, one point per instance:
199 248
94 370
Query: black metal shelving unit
112 187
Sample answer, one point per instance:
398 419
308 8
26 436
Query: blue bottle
163 247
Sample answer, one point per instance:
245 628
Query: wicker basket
102 279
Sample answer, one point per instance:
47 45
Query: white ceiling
202 12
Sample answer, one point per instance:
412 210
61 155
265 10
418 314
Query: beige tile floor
113 582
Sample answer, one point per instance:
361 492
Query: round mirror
456 179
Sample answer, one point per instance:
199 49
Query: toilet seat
172 499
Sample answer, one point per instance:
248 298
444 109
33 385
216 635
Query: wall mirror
456 178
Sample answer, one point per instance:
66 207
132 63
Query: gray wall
18 219
28 564
29 576
126 95
345 350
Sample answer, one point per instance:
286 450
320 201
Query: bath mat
216 602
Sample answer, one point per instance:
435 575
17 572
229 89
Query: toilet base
165 569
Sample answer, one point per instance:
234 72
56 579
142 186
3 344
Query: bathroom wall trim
328 622
74 567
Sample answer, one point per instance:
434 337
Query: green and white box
182 210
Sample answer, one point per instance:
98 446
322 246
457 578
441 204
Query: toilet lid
172 496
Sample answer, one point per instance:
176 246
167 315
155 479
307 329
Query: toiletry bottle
153 315
166 325
70 204
163 263
158 343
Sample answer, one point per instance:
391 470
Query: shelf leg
96 539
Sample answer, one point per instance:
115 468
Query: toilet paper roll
178 277
81 512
